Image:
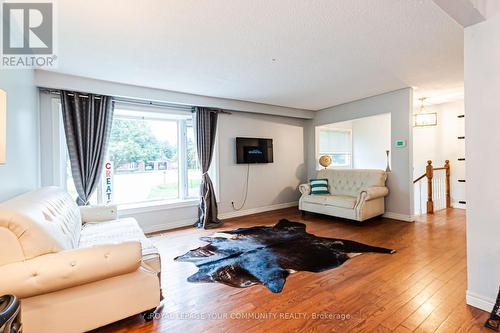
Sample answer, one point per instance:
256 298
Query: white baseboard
458 205
169 225
263 209
479 301
191 222
400 217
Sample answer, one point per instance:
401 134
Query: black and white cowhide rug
267 255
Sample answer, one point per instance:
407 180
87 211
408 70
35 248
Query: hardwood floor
421 288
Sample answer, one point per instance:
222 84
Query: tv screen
254 150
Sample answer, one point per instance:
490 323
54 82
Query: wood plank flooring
421 288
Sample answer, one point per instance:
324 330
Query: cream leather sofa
74 269
354 194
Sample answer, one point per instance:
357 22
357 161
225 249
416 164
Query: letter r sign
27 28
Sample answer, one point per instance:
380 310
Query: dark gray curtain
87 123
205 120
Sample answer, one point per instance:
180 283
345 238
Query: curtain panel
87 122
205 120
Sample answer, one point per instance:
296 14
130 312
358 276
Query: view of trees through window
133 141
145 156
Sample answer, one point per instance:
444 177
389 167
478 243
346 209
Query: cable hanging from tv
246 191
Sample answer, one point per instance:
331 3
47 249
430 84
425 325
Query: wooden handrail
429 173
419 178
425 174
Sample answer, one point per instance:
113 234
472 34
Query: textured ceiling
297 53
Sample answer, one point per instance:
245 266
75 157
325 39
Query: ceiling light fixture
423 118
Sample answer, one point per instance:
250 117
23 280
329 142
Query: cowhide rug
267 255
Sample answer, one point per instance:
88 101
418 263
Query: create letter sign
108 182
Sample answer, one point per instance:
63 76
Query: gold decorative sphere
325 161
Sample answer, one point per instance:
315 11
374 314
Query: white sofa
355 194
74 269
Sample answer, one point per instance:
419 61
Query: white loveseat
355 194
74 269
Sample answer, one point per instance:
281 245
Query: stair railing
436 190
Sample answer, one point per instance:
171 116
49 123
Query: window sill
145 207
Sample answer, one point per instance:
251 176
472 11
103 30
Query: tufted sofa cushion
44 221
66 269
120 231
351 182
343 201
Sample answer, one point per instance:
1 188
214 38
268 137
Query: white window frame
52 145
54 152
321 153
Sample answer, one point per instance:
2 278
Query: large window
151 158
145 157
337 143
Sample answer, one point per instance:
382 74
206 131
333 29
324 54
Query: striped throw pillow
319 186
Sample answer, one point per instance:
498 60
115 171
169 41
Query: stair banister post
429 172
448 195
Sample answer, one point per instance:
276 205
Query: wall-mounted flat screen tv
254 150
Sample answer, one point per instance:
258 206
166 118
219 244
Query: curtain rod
136 101
56 92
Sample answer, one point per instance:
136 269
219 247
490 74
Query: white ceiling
296 53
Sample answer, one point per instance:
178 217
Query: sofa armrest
66 269
374 192
305 189
92 214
